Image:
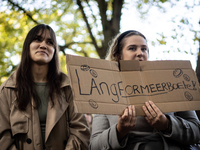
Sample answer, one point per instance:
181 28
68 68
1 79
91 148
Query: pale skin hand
154 116
126 122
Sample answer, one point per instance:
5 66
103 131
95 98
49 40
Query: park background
85 27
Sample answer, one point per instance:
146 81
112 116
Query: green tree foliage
11 39
77 25
181 23
84 27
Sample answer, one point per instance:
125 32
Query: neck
40 72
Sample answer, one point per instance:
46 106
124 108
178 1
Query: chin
41 62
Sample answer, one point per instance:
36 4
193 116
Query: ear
119 57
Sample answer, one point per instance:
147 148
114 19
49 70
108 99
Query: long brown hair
117 44
25 89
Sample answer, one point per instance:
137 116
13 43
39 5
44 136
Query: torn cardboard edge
83 107
91 63
134 65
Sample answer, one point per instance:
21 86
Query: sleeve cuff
113 140
168 131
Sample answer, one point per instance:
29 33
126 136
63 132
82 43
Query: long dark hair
25 89
117 44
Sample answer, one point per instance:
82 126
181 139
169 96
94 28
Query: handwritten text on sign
117 89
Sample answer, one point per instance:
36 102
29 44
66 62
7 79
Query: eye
132 48
38 39
50 43
144 49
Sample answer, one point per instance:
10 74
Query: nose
139 52
43 45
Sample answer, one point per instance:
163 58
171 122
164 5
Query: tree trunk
110 27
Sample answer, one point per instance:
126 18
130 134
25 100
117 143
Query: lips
140 59
43 52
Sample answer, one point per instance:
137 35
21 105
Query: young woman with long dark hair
36 102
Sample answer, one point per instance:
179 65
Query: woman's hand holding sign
155 117
126 122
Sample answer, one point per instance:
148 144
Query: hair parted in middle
117 43
24 79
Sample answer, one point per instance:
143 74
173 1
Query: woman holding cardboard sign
170 131
36 102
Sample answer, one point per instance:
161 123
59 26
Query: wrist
120 134
169 126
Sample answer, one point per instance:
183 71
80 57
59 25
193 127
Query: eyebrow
49 39
137 45
39 36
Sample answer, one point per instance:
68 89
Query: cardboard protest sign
106 87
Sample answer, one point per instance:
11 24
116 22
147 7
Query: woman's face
42 48
135 48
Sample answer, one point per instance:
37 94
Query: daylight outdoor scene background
85 27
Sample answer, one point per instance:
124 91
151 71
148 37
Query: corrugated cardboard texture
100 87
